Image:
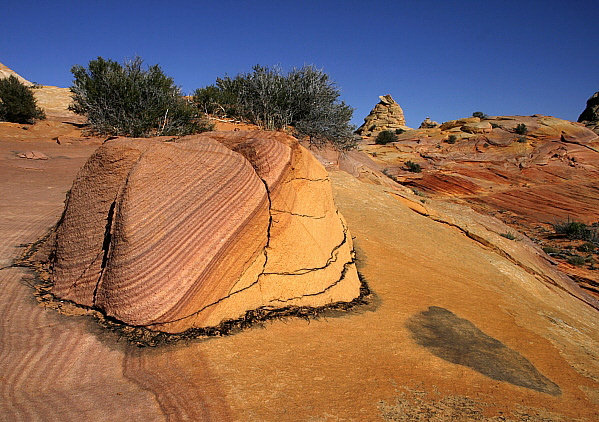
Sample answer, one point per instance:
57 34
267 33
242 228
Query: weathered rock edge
33 256
288 248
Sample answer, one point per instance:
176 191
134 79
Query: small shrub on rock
452 139
413 167
132 101
577 260
586 247
385 137
521 129
479 114
521 139
577 230
509 235
17 103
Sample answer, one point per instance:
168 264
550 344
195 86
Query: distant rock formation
5 72
428 124
590 115
187 234
386 115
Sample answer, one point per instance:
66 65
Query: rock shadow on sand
459 341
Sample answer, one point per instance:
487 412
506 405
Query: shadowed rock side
590 116
457 340
187 234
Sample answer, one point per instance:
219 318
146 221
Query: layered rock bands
188 234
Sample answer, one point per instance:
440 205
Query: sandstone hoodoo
386 115
188 234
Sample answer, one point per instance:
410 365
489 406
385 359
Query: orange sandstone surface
462 324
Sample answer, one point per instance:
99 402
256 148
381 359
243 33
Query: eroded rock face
178 235
386 115
590 116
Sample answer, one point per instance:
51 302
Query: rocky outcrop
590 116
428 124
5 72
386 115
187 234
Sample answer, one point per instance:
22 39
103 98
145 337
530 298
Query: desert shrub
577 260
521 139
17 103
385 137
305 99
550 250
452 139
586 247
413 167
131 100
521 129
577 230
479 114
399 131
509 235
495 125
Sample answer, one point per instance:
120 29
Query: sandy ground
497 343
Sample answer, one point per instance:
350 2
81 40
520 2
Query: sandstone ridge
188 234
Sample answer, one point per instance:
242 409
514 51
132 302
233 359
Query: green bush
413 167
521 139
521 129
399 131
577 230
586 247
479 114
577 260
132 101
451 139
305 99
385 137
17 103
509 235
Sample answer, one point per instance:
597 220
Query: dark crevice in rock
315 217
346 267
330 260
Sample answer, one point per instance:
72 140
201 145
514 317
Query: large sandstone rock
590 116
386 115
178 235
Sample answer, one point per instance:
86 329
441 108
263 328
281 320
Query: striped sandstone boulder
188 234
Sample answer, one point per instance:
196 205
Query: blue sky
442 59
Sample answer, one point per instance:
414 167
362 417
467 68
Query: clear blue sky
443 59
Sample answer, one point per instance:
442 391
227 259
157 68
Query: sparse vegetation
132 101
413 167
479 114
577 230
399 131
17 103
550 250
577 260
586 247
495 125
521 139
521 129
452 139
509 235
304 99
385 137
